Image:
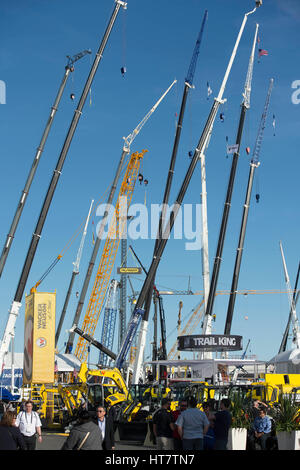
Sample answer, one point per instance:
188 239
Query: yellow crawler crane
110 249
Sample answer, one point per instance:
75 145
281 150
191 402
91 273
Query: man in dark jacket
222 425
106 425
85 435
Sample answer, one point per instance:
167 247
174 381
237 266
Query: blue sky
154 41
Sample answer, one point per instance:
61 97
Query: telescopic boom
68 69
253 165
218 258
14 312
138 311
188 85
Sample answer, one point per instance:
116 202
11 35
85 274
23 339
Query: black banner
210 343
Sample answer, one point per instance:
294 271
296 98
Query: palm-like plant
239 412
286 414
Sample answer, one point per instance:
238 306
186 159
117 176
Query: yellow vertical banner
39 340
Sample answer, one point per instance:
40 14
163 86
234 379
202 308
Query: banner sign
39 338
127 270
209 343
6 377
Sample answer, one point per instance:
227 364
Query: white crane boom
130 138
295 323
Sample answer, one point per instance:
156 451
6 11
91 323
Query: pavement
54 441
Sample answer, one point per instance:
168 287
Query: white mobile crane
74 274
294 319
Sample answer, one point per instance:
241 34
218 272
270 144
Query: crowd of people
189 428
21 431
186 428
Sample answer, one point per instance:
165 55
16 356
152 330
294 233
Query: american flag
262 52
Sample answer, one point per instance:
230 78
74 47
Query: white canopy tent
209 369
287 362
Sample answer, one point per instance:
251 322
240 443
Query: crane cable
74 236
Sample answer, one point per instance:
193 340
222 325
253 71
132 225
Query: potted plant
237 438
286 415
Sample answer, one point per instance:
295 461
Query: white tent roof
287 362
65 362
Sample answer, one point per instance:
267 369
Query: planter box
237 439
288 440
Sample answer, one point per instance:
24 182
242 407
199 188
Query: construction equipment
294 319
15 308
177 205
148 299
109 321
222 233
253 165
69 68
240 367
104 387
91 340
126 150
190 326
143 400
158 298
110 249
74 274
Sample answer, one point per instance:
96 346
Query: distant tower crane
109 320
253 165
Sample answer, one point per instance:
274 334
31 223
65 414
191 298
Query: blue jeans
192 444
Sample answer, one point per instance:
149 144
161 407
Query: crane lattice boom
109 253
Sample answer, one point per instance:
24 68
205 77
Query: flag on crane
209 90
274 124
262 52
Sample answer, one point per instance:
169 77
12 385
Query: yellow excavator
105 387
